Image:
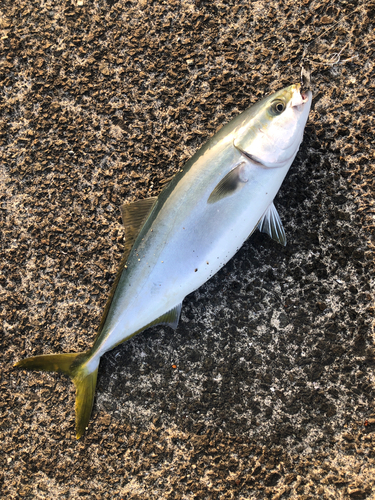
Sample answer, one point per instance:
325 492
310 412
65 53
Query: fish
178 240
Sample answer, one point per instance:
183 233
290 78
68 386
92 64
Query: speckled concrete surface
273 391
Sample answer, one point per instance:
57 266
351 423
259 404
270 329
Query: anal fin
170 318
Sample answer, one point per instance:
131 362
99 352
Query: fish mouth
299 97
306 96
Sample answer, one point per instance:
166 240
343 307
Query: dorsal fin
134 215
163 182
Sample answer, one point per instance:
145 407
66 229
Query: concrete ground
266 389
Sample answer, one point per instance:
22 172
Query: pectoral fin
232 182
271 224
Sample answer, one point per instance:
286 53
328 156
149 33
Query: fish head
272 132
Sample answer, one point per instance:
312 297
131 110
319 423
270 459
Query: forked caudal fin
84 379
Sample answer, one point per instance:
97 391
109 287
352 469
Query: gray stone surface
266 389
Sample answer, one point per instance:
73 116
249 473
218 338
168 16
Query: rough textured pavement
266 390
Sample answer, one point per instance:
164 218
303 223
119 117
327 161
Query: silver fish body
176 242
186 238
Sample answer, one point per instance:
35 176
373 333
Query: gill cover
272 137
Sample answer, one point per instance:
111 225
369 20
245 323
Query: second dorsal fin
134 216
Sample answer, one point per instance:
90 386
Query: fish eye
277 107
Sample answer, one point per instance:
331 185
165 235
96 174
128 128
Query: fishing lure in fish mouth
175 242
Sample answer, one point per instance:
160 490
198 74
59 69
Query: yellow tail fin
74 365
